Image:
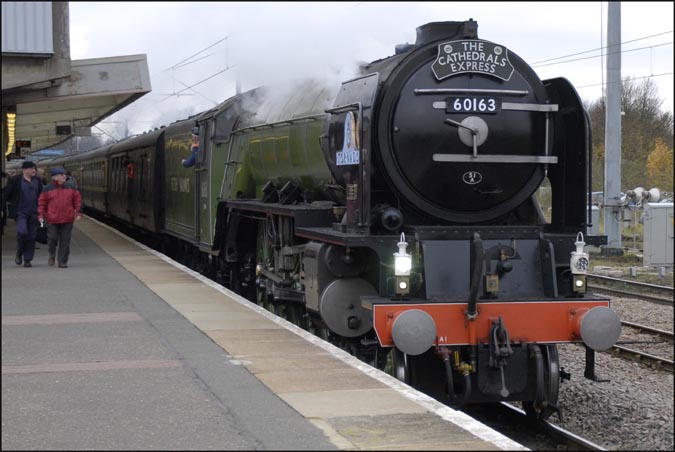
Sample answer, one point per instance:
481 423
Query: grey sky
269 42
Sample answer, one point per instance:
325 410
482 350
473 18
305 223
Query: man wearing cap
23 191
59 204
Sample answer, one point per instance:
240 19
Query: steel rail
571 440
632 283
625 294
642 357
649 329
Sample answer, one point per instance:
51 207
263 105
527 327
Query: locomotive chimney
435 31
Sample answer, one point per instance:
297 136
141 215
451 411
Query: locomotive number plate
485 105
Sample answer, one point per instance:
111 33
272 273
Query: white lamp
402 267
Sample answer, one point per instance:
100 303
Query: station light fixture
402 267
11 128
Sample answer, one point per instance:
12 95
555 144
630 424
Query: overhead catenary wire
181 64
194 55
198 83
115 139
632 78
602 47
178 66
197 92
605 54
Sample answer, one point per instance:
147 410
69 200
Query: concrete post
612 192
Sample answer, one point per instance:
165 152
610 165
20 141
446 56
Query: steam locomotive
395 215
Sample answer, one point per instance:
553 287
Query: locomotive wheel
319 330
234 278
324 334
262 258
373 356
551 385
293 314
280 310
400 365
261 298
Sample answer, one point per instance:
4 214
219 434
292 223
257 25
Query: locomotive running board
305 215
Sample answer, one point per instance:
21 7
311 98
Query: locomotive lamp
402 266
579 265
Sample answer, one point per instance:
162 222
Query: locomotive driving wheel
319 330
400 365
262 298
551 386
263 258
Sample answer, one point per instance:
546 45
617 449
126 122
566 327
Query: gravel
632 411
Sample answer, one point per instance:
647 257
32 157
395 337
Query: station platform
127 349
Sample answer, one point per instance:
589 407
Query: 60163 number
473 105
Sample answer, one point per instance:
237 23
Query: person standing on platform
59 204
41 175
3 219
23 190
71 179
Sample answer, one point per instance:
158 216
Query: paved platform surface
126 349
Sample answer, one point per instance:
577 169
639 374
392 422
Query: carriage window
118 174
142 174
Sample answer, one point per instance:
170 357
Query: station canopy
50 113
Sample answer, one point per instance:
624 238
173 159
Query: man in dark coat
23 191
3 219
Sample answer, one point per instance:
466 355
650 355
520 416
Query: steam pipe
466 394
476 273
448 373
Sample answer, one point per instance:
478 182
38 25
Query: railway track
642 291
643 357
649 330
631 289
514 423
654 361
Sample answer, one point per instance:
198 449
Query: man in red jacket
59 204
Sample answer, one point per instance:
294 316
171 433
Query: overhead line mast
612 189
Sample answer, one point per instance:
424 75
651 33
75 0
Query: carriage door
202 182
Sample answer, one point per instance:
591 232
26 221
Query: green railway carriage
136 180
179 182
191 194
90 172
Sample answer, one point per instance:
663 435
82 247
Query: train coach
395 215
